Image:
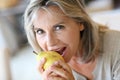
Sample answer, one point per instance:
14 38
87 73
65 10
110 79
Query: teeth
61 51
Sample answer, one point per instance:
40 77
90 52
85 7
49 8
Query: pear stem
35 53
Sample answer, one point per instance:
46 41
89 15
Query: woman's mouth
61 51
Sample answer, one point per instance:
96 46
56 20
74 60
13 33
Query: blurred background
17 61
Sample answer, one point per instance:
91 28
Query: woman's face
57 32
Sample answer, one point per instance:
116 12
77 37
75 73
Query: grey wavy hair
72 8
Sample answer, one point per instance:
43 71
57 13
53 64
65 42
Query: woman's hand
58 71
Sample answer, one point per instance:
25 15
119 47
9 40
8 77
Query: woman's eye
39 31
59 27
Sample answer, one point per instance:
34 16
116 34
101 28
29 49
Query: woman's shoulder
109 41
110 44
109 59
109 35
112 37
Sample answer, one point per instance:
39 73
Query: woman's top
108 63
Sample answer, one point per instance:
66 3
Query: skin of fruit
50 56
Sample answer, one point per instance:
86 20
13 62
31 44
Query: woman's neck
85 69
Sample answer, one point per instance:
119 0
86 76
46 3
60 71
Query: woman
90 51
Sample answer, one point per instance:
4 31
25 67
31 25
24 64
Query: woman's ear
81 27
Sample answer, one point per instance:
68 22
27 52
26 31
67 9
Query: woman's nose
51 40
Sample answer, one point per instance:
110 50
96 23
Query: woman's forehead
50 11
50 16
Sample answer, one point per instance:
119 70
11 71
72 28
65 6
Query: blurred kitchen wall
12 35
11 23
106 12
102 5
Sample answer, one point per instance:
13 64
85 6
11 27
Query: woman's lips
61 51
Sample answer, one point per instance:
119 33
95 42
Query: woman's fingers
41 64
65 66
62 70
63 73
58 71
51 73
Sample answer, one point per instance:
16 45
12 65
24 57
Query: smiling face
57 32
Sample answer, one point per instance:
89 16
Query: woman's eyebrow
53 25
59 23
36 28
